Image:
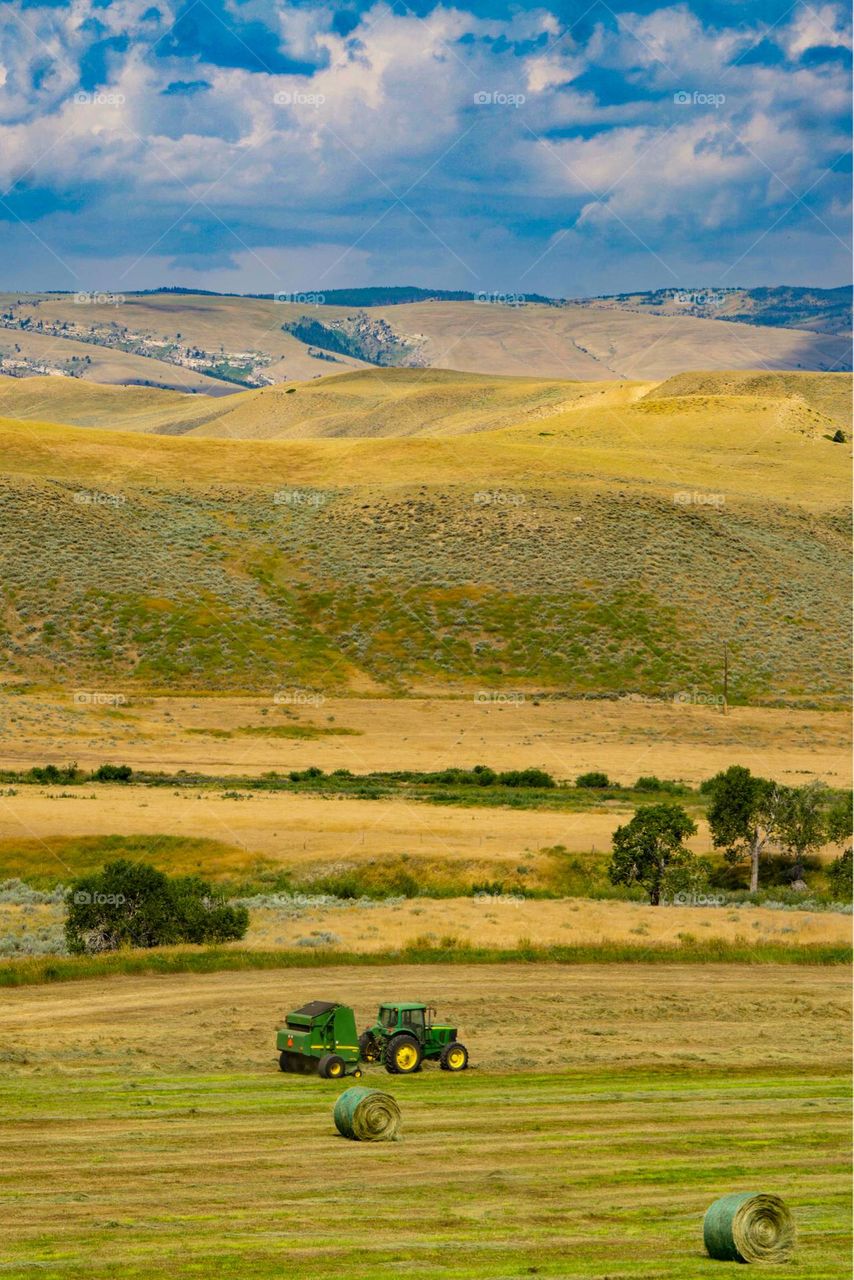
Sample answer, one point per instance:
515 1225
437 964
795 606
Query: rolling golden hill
608 543
430 402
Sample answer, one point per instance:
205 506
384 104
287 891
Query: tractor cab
405 1034
413 1018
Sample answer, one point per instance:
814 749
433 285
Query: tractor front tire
403 1055
331 1067
455 1057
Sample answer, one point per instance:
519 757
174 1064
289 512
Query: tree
800 822
650 846
742 816
840 873
132 904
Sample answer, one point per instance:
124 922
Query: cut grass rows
571 1174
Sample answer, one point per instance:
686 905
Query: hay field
605 1110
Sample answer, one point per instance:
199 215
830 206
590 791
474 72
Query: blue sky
558 148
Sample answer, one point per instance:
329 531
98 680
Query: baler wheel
331 1067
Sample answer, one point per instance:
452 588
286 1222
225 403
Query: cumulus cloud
237 137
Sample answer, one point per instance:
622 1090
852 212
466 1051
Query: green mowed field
595 1174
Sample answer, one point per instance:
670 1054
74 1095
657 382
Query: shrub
526 778
666 785
51 773
113 773
594 779
132 904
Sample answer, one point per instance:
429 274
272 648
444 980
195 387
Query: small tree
742 816
800 822
650 846
132 904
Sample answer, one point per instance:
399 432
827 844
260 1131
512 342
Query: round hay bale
748 1226
367 1115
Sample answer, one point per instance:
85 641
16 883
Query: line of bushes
214 960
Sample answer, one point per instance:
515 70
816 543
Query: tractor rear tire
455 1057
403 1055
331 1067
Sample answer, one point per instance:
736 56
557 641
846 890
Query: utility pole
726 675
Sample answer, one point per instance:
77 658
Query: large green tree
132 904
651 847
742 816
800 822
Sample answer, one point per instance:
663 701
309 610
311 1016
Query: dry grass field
627 737
502 922
499 921
604 1111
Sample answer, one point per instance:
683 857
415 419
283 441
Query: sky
564 149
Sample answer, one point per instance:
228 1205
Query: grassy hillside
430 402
815 401
607 547
589 342
816 310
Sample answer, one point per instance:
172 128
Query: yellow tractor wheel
454 1057
403 1055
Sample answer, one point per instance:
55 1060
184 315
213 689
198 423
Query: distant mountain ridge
777 306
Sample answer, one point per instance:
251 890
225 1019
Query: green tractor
405 1034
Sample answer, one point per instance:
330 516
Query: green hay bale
367 1115
748 1226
